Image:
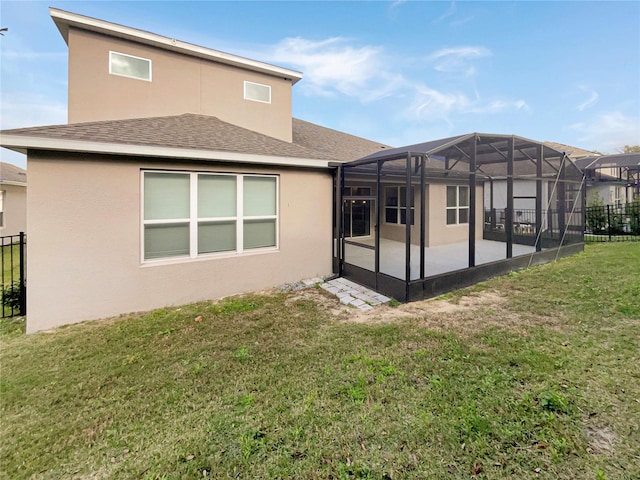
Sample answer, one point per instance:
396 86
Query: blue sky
397 72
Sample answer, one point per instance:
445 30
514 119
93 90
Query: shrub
11 297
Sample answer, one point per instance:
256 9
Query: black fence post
23 283
609 220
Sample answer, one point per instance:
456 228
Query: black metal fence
554 228
613 223
14 281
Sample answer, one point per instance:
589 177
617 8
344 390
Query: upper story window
129 66
257 92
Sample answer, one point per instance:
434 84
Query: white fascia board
22 144
16 184
64 20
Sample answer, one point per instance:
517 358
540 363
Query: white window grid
194 221
457 207
410 210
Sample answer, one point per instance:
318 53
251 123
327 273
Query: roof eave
15 184
64 20
22 143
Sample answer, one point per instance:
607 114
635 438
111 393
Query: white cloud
430 103
24 55
461 52
450 11
29 110
592 100
607 132
397 3
458 59
332 65
497 106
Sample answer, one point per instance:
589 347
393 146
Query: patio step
350 293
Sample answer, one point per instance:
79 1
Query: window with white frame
457 204
257 92
188 214
129 66
395 205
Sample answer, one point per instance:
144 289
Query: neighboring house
612 179
182 176
13 199
524 192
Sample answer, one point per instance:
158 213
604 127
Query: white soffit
64 20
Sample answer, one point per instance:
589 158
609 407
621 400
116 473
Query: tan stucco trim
64 20
22 144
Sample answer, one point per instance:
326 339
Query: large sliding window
188 214
457 205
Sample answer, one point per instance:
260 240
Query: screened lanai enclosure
417 221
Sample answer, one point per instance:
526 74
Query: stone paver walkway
350 293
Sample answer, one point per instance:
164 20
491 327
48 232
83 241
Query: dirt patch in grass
460 313
601 440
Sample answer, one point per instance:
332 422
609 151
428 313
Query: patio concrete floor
442 259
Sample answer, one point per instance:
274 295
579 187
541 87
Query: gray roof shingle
203 132
12 173
338 145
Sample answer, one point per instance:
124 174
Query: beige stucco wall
14 208
180 84
437 232
86 264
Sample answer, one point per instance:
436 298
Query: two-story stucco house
181 176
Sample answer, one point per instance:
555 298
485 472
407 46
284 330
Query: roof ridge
64 19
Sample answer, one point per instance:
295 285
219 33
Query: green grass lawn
543 381
10 264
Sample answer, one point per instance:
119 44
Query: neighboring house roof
609 161
191 136
64 20
12 175
338 145
573 152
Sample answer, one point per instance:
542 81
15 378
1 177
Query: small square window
396 205
457 205
257 92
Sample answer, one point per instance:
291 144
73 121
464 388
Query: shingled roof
338 145
573 152
191 134
9 173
